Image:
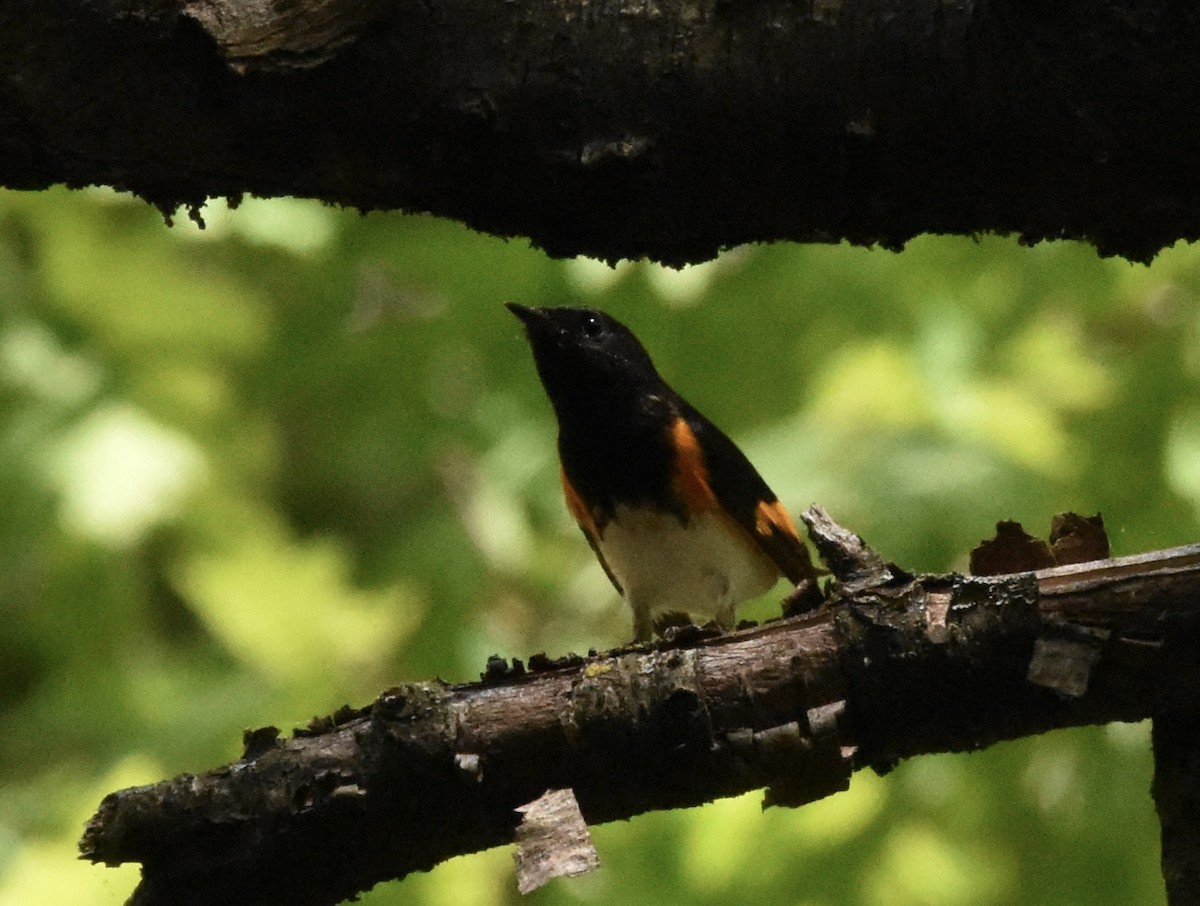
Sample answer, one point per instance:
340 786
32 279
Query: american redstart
678 517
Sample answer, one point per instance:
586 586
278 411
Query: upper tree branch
892 667
667 128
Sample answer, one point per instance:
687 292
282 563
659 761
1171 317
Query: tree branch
893 666
669 128
1177 796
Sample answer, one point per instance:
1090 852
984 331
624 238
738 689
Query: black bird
678 517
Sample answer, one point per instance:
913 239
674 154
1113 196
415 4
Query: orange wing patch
587 521
578 509
776 534
770 531
691 474
772 518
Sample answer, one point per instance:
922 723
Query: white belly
701 567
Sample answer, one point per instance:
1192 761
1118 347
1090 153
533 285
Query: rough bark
891 667
667 128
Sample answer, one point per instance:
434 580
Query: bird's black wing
587 524
743 493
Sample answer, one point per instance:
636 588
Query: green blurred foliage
250 473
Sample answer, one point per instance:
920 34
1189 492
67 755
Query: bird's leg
725 615
643 623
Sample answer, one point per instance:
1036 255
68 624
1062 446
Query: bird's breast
616 462
696 566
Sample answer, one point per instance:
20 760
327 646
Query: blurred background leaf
254 472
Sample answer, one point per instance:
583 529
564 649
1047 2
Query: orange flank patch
691 474
578 509
772 518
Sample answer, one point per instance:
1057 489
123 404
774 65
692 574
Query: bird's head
584 357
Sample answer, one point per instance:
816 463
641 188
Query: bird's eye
593 327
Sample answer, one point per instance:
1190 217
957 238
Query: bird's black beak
537 322
529 316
